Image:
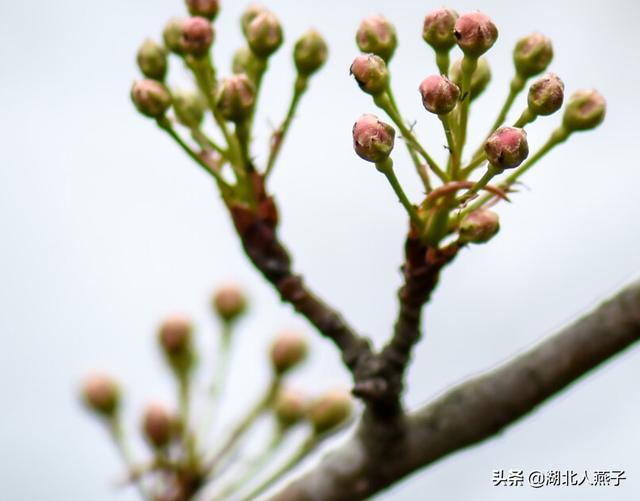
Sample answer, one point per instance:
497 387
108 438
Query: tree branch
379 453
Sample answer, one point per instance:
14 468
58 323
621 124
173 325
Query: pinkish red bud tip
373 139
370 71
158 425
287 351
229 303
507 147
439 94
438 29
101 394
546 95
197 36
475 33
376 35
203 8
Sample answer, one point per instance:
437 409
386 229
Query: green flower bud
203 8
172 35
439 94
310 53
158 426
372 139
546 95
151 98
330 410
189 107
475 33
287 351
376 35
175 339
152 60
507 147
479 80
479 226
532 54
197 36
236 97
229 303
438 29
371 73
245 61
101 395
249 15
264 34
289 408
585 110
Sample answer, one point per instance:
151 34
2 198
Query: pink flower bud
507 147
264 34
310 53
152 60
479 80
585 110
287 351
376 35
438 29
546 95
158 425
475 33
249 14
175 339
204 8
197 36
189 107
101 394
372 139
479 226
439 94
289 408
532 54
172 35
370 71
236 97
151 98
229 303
330 410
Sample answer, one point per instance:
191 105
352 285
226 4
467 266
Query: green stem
481 183
454 163
206 142
525 118
442 60
469 65
386 168
122 445
184 399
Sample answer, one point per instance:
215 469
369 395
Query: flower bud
249 15
158 425
287 351
310 53
439 94
151 98
479 226
245 61
507 147
532 54
197 36
372 139
204 8
189 107
546 95
330 410
229 303
172 35
236 96
101 394
371 73
376 35
585 110
264 34
289 408
152 60
438 29
475 33
479 80
175 338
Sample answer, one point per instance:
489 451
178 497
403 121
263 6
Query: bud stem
442 60
526 117
469 65
480 184
386 168
451 145
122 445
206 142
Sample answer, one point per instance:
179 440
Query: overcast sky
106 227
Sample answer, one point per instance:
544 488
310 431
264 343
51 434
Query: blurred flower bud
172 35
229 303
310 53
151 98
438 29
479 80
371 73
289 408
245 61
204 8
175 338
372 139
475 33
479 226
101 394
376 35
152 60
532 54
158 425
249 14
189 107
330 410
585 110
236 96
439 94
197 36
264 34
507 147
546 95
287 351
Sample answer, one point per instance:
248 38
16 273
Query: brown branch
380 453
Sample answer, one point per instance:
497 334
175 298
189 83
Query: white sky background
106 226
